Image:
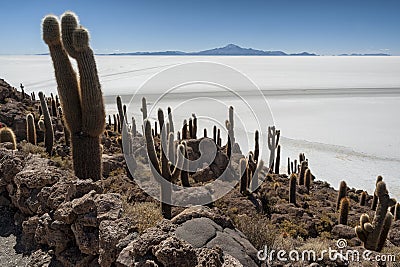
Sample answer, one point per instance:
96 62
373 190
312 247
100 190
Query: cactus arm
65 75
150 147
179 163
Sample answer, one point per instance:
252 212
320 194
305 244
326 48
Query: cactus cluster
373 233
81 98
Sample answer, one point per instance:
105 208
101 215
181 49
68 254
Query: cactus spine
49 134
7 135
30 129
81 100
373 234
292 188
344 210
341 194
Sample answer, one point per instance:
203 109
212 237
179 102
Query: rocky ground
50 218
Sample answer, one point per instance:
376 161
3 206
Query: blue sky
321 26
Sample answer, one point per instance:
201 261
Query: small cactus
170 120
205 132
49 134
292 188
288 166
363 198
341 194
194 130
7 135
144 108
215 134
307 180
344 210
273 140
30 129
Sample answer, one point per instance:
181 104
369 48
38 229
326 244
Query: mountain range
229 50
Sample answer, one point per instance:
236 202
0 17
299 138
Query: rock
175 252
110 234
198 231
394 234
343 231
108 206
201 211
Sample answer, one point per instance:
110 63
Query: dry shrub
143 214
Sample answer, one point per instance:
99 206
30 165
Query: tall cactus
373 234
144 108
278 159
303 168
256 146
243 176
48 133
7 135
397 212
344 210
292 188
307 180
120 112
170 120
161 166
81 100
341 194
273 140
30 129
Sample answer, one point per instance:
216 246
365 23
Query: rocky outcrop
79 225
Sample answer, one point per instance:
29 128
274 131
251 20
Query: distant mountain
229 50
362 55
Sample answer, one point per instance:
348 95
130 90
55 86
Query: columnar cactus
273 140
307 179
120 112
341 194
303 168
373 234
278 159
191 128
363 198
144 108
288 166
30 129
184 130
244 176
7 135
49 134
215 134
205 132
256 146
344 210
81 100
170 120
254 178
133 127
375 198
397 211
232 123
292 188
115 128
194 130
162 167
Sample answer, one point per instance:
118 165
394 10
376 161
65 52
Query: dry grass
30 148
143 214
